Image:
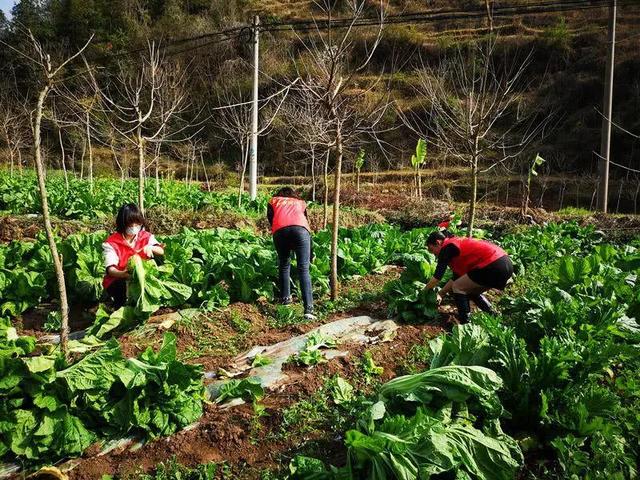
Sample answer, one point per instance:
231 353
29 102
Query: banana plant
537 161
417 160
358 165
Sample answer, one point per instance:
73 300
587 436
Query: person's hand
438 299
148 251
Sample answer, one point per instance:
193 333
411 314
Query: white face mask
134 230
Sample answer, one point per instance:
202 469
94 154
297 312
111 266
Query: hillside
565 75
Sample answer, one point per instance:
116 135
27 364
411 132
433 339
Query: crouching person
477 266
129 239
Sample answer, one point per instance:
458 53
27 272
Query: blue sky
6 5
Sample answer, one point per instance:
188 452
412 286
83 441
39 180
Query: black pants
118 292
294 239
495 275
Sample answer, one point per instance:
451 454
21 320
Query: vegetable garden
192 361
546 389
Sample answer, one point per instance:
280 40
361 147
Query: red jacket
125 252
473 254
287 212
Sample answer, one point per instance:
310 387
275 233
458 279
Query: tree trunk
474 195
84 150
313 174
333 280
72 162
11 154
57 260
90 155
206 175
157 172
358 180
140 168
116 161
64 166
487 4
325 218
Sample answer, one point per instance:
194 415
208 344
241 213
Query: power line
429 16
438 15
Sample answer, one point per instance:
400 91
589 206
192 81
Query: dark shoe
462 302
285 301
482 303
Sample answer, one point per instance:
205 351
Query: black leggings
495 275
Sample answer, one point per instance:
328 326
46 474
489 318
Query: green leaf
342 391
421 153
248 389
39 364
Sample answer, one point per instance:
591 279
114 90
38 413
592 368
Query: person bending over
477 266
287 215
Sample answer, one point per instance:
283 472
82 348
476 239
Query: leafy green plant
309 357
369 367
417 160
407 296
341 391
248 389
531 172
148 291
52 410
260 361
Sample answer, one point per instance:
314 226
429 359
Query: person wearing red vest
287 215
477 266
130 238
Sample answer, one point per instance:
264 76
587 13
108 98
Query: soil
229 435
164 222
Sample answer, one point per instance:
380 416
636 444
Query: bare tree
327 72
475 110
310 132
233 117
144 99
235 124
13 126
49 75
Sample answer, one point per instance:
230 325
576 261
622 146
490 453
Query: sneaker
285 301
310 316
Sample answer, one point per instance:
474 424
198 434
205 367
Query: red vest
125 252
287 212
473 254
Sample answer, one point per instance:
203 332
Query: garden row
207 268
56 409
76 199
550 384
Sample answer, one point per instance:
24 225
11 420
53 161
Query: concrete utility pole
253 155
605 141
